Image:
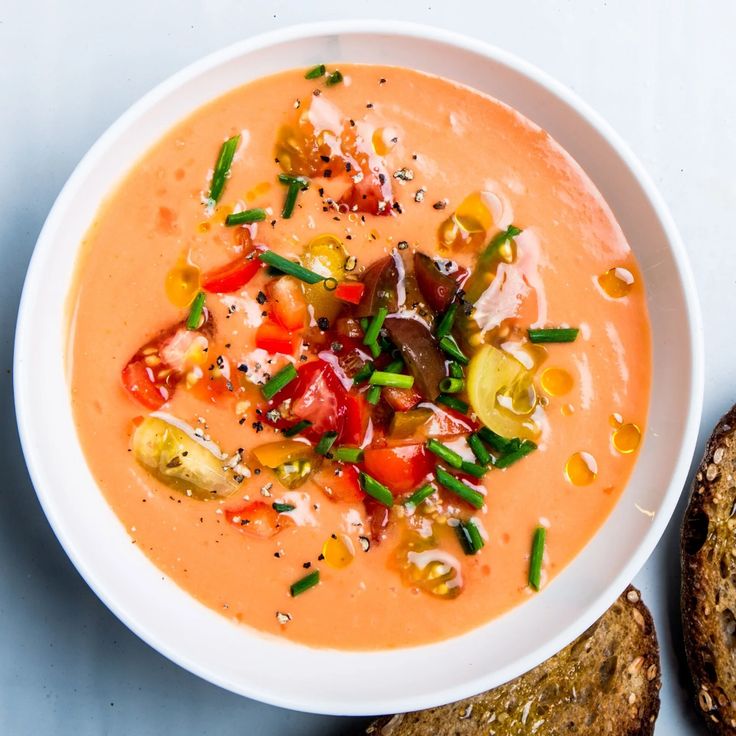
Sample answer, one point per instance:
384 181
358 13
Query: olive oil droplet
627 438
182 282
581 469
338 551
616 282
557 381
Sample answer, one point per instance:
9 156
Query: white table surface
661 72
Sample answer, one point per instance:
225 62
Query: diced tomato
340 483
137 379
350 291
216 381
274 338
401 399
356 420
232 276
401 468
369 195
257 519
287 302
378 518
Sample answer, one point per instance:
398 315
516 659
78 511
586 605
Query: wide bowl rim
696 366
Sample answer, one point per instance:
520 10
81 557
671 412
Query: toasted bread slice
606 682
709 579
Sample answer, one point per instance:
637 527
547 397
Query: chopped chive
459 488
448 318
315 72
363 373
452 385
364 322
375 349
330 283
420 495
286 375
296 428
348 454
257 214
288 180
498 240
282 508
195 311
395 366
371 334
373 395
448 344
284 265
305 583
325 443
470 537
453 402
456 370
395 380
479 449
290 202
222 167
333 78
477 471
524 448
554 334
535 561
377 490
498 443
445 453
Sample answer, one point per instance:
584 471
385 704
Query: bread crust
606 682
708 592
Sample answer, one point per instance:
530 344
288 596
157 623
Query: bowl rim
692 309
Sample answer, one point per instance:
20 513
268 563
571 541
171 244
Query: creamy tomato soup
360 357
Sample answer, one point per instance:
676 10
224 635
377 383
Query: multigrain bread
709 580
606 682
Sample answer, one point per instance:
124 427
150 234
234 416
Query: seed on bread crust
708 596
605 682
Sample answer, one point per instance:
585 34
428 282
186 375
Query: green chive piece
470 537
459 488
375 349
395 366
363 373
553 334
373 395
296 428
348 454
330 284
325 443
525 447
469 468
364 322
498 443
479 449
535 561
288 180
452 385
448 344
282 508
333 78
195 311
290 202
315 72
371 334
284 265
498 240
453 402
448 318
421 494
445 453
456 370
257 214
377 490
304 584
222 167
286 375
395 380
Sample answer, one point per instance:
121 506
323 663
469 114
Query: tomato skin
379 517
232 276
256 519
401 468
369 195
137 381
357 417
350 292
287 302
274 338
344 487
401 399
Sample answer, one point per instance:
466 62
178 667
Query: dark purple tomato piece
438 289
381 281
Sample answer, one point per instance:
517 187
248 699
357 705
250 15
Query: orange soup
360 357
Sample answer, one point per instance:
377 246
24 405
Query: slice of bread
709 580
606 682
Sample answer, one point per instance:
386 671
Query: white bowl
321 680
